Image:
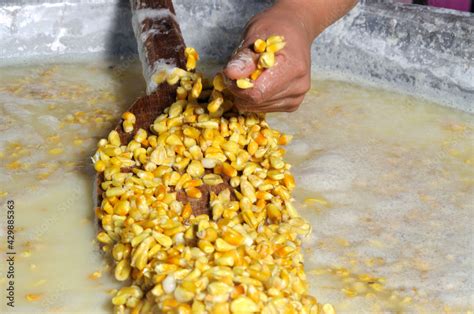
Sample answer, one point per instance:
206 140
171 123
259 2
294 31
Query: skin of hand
283 86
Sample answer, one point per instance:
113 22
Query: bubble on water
327 172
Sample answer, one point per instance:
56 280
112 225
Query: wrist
316 15
306 13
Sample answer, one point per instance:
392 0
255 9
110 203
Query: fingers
242 64
283 81
277 89
270 82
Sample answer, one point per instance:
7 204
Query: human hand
283 86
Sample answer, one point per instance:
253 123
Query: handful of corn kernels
245 257
266 50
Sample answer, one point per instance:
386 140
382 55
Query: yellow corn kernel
114 191
212 179
291 210
181 93
198 307
33 297
228 170
223 246
244 83
128 116
255 74
274 39
162 239
122 207
259 46
244 305
192 56
249 218
195 169
114 138
206 246
266 60
196 90
103 237
172 79
192 183
328 309
140 136
214 105
276 175
276 46
187 211
219 288
159 77
122 270
176 108
193 193
218 82
284 139
209 234
273 213
289 181
233 237
99 166
191 51
127 126
248 190
173 139
252 148
277 162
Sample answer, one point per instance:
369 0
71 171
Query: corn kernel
244 83
215 105
128 116
256 74
33 297
274 39
259 46
218 82
193 192
276 46
266 60
99 166
244 305
114 138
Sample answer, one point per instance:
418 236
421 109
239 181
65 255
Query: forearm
316 15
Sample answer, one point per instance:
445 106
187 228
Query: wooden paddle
159 41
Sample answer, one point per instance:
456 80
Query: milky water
385 179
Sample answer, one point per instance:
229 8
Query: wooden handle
160 45
159 39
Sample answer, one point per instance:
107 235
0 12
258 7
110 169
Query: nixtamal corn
245 257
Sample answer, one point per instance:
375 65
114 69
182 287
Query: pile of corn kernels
245 257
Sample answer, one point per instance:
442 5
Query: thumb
241 65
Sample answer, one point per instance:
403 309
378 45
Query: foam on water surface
387 182
385 179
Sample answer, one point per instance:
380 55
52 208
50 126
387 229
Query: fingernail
237 63
240 61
